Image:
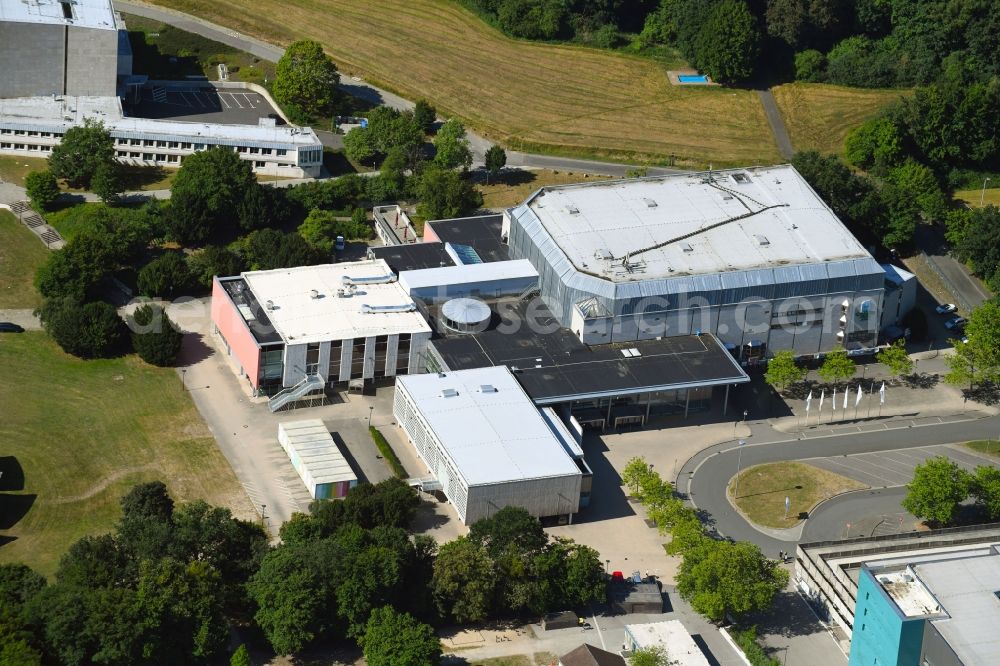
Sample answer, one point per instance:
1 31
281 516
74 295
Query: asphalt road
368 92
969 292
709 472
777 124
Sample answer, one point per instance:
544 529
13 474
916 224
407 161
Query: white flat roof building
316 458
80 13
671 636
33 125
487 444
358 299
693 223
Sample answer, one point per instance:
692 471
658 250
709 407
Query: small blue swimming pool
692 78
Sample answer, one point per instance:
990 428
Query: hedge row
387 452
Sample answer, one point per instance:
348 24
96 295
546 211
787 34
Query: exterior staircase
308 384
34 221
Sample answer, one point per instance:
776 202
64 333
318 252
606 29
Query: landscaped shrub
747 640
387 452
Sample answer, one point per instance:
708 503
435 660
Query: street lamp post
371 408
982 196
184 378
263 518
739 463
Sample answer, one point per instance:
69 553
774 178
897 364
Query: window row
25 146
10 132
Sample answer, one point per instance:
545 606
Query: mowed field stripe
528 95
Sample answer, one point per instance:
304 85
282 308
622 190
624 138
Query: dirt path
774 119
102 485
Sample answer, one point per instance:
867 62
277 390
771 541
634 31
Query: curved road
368 92
706 476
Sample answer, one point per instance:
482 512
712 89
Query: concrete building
61 47
941 612
324 325
828 573
31 126
900 295
670 636
752 256
315 456
487 445
492 280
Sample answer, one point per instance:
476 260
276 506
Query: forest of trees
169 584
866 43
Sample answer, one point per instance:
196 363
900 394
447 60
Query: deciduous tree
154 337
207 194
42 189
305 78
782 371
896 359
87 330
444 193
464 581
727 43
451 148
986 489
496 159
977 361
81 151
397 639
938 487
723 578
837 366
166 276
424 115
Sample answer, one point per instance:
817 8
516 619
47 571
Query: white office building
31 126
488 445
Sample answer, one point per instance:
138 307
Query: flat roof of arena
84 13
689 224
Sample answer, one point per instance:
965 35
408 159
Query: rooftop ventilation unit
572 209
269 304
487 388
386 309
650 203
741 178
603 254
449 393
342 294
687 247
632 352
761 239
313 294
347 280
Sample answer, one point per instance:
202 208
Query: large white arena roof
488 426
304 306
83 13
690 224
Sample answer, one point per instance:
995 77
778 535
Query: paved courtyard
229 106
885 469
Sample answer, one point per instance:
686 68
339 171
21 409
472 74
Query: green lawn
13 169
21 253
990 447
763 488
84 432
991 197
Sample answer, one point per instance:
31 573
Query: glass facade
272 367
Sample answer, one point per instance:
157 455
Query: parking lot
893 468
204 104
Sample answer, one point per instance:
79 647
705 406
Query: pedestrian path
15 200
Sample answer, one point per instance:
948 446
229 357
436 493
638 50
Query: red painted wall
231 326
429 235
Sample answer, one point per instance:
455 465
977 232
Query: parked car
10 327
946 308
955 323
339 244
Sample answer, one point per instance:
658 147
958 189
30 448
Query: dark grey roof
588 655
240 294
480 232
412 256
554 366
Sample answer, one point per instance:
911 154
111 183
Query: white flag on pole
847 392
809 399
881 394
857 400
833 402
822 395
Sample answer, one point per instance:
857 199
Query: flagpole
871 394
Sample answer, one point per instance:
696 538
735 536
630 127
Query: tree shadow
11 474
138 177
13 508
920 380
985 394
788 616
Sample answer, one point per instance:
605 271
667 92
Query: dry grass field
529 96
84 432
819 116
973 197
514 187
